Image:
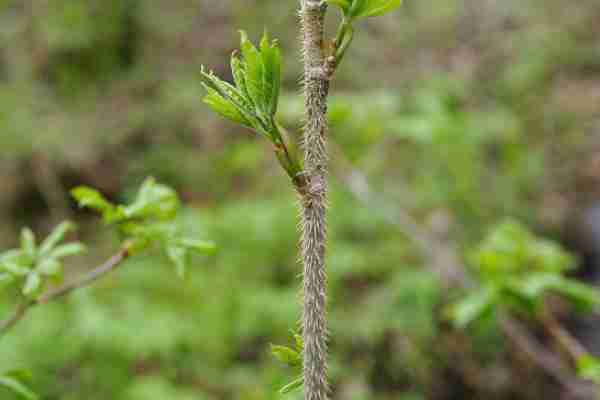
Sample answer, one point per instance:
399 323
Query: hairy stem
93 275
313 198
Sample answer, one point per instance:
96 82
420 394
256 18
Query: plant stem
93 275
313 198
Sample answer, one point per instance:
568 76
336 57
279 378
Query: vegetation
462 140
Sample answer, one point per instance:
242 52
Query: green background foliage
462 113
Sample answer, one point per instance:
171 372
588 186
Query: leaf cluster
292 357
516 270
148 220
32 265
253 99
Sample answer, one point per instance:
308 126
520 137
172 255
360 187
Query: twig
93 275
565 340
545 359
313 199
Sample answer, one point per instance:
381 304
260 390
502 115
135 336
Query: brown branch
568 343
21 310
544 359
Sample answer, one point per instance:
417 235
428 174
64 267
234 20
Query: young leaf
178 255
472 307
379 7
224 107
343 4
57 236
293 385
33 284
271 58
28 243
18 387
91 198
588 367
68 250
286 355
153 201
201 246
50 267
254 74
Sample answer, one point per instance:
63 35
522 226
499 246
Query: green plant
516 270
148 221
252 102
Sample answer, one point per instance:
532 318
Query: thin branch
313 192
568 343
21 310
544 359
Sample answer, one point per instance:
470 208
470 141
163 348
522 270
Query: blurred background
446 117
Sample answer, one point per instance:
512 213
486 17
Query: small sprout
33 265
253 99
292 357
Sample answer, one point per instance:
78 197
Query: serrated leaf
286 355
28 243
68 250
178 255
224 107
293 385
33 284
238 71
472 307
254 74
57 236
271 59
17 387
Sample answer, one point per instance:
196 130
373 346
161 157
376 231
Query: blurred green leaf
28 243
178 255
286 355
293 385
57 236
91 198
473 307
68 250
366 8
153 201
588 367
17 386
50 267
33 284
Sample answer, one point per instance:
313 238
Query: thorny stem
95 274
313 200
